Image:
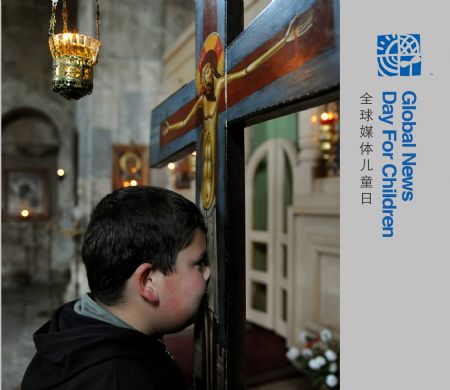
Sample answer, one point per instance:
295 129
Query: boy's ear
146 286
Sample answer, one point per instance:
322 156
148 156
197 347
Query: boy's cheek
186 297
182 312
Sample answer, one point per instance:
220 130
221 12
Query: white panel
316 273
274 237
329 290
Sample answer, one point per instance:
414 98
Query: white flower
307 353
331 380
321 361
293 353
330 355
333 367
325 335
313 364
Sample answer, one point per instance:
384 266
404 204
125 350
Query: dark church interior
59 157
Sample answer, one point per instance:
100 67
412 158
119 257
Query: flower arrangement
319 358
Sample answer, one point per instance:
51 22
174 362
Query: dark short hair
211 57
132 226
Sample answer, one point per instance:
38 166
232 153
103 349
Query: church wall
127 85
26 76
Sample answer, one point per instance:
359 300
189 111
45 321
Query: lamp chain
97 21
51 30
65 15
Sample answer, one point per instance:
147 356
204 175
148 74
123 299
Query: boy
145 256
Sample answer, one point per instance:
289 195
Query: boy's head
137 226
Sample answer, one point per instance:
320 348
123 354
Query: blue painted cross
285 61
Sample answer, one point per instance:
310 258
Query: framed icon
27 193
130 165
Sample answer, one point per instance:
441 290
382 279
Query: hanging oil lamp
74 56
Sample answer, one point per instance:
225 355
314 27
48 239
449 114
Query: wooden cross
285 61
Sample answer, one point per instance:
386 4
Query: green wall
283 127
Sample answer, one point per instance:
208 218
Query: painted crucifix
286 60
210 82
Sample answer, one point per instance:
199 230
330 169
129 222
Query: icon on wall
130 166
26 194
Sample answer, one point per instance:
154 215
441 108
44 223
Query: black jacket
78 352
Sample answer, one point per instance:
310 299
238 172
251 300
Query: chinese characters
366 147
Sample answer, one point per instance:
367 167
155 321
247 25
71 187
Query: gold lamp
329 138
74 56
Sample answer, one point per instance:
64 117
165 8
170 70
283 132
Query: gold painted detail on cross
209 85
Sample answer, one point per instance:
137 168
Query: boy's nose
206 273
